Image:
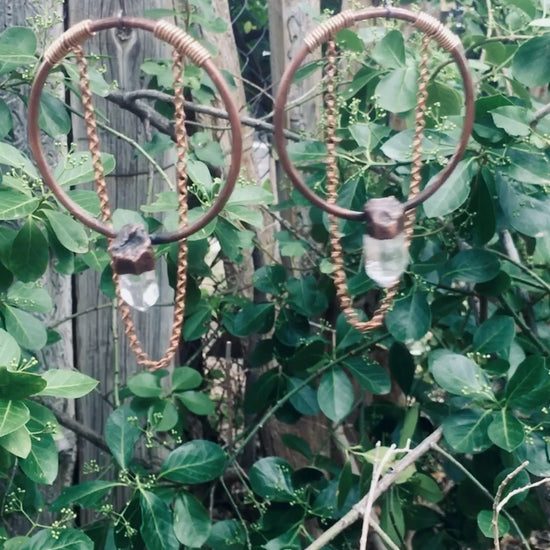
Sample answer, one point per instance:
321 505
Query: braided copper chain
181 169
337 255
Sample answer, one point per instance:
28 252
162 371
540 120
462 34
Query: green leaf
17 442
251 319
98 85
305 296
197 461
121 435
427 488
53 117
156 528
506 431
371 376
77 168
530 64
86 494
304 153
11 156
27 330
29 255
305 400
199 174
527 166
410 318
6 120
185 378
402 366
529 387
227 535
70 233
535 450
163 415
197 402
18 385
15 205
443 99
17 47
390 51
347 39
30 297
454 192
495 334
435 144
65 539
396 92
250 195
466 431
472 266
42 463
485 523
13 415
191 521
335 394
270 279
198 323
459 375
67 383
145 384
512 119
270 478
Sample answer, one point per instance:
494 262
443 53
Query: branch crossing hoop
385 218
131 247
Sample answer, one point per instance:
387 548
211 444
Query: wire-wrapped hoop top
185 45
425 23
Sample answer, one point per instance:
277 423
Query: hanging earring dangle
131 248
388 223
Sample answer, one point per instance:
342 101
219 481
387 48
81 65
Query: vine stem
357 511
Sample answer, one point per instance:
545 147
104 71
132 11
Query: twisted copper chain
337 255
181 169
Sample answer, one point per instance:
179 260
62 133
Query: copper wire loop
185 46
432 29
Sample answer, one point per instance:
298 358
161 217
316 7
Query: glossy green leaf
270 279
185 378
18 384
30 297
86 494
17 48
396 92
472 266
98 85
495 334
512 119
121 434
13 415
42 463
77 168
197 323
65 539
27 330
227 535
527 166
454 191
305 296
70 233
29 255
156 528
426 487
371 376
197 402
145 384
506 431
399 146
529 387
409 318
163 415
17 442
6 119
305 400
53 117
466 431
251 319
67 383
530 64
459 375
390 51
15 205
270 478
485 524
192 523
335 394
535 450
197 461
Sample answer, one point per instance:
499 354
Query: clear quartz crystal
139 291
385 259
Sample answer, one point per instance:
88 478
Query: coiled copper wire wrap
181 169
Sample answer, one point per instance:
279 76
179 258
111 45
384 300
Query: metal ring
425 23
177 38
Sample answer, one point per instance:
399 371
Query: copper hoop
424 22
186 46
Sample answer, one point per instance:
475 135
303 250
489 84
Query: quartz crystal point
385 243
134 263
